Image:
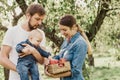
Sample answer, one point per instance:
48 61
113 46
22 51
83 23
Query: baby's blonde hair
35 32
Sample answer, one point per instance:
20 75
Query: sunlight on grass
105 73
106 68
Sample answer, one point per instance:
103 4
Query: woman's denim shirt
74 51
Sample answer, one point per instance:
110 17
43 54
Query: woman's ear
74 27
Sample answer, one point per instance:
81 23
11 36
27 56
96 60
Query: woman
73 49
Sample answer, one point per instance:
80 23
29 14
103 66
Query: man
8 56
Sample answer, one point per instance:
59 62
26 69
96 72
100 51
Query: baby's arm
19 47
43 52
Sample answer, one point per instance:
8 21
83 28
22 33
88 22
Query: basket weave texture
56 69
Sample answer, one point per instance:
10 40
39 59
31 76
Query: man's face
35 21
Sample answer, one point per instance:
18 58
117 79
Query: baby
28 64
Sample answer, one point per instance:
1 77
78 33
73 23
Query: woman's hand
46 71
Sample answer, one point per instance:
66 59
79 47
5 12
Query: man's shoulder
13 28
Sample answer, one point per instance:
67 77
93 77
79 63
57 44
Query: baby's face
36 40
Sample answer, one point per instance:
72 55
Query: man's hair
35 8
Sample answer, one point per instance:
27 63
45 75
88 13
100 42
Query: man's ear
28 16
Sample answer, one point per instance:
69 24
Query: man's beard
30 26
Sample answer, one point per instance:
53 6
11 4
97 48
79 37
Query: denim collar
74 37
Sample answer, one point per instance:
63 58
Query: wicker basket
64 74
56 69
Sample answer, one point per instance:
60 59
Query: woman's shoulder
81 41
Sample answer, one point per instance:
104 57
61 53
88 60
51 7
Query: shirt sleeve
56 57
43 52
8 38
79 55
19 47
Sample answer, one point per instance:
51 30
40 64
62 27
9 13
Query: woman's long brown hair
86 38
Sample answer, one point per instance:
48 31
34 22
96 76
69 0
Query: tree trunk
6 74
97 25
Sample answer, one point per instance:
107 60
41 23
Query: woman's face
66 31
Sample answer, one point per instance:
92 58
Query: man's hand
31 50
46 61
27 50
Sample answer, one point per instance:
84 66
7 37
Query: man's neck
25 27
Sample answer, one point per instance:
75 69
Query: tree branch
98 21
22 4
16 18
3 28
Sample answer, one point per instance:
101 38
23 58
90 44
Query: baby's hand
50 57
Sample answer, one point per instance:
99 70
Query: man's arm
31 50
4 58
37 55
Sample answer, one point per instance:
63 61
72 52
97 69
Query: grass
105 73
106 68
